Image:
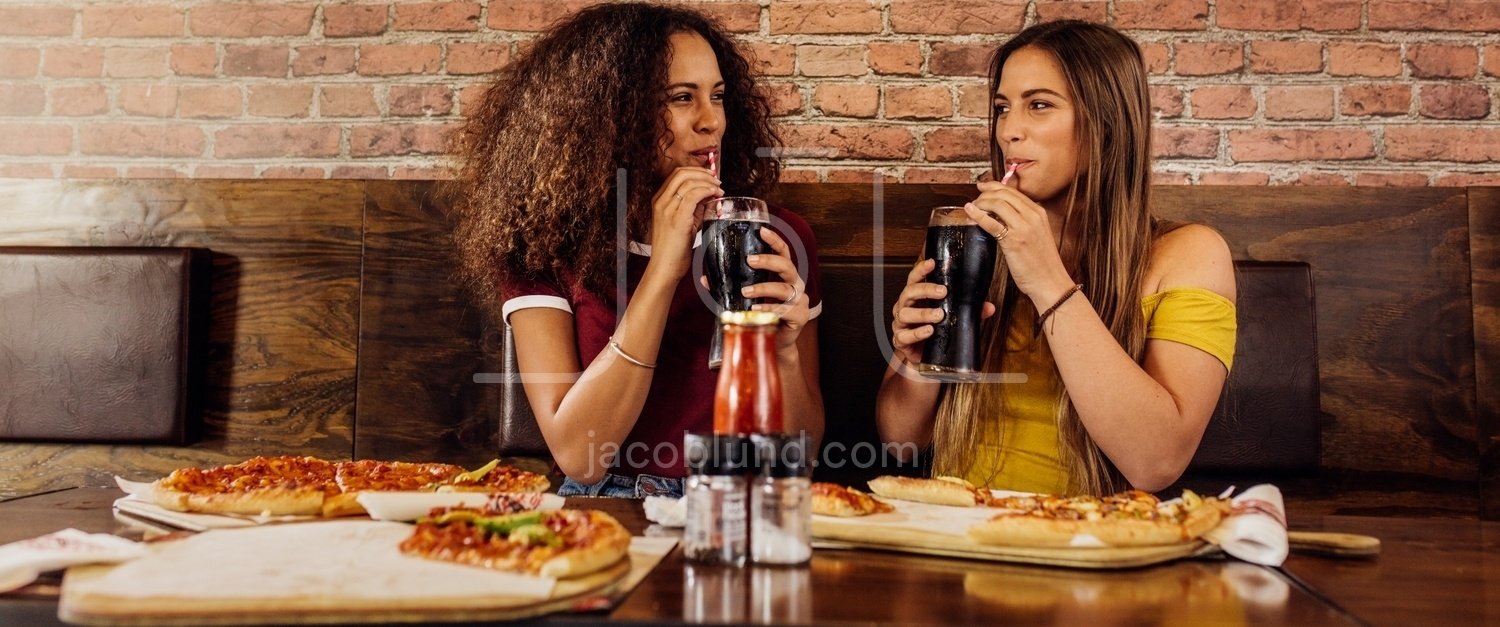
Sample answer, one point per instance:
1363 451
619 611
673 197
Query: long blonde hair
1108 216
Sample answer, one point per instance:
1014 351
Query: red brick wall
1326 92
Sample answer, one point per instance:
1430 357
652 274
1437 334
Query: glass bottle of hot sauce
748 399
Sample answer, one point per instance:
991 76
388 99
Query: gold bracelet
626 356
1043 318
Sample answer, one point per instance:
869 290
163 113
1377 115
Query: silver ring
678 196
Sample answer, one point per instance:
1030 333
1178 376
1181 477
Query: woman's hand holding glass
675 218
791 291
911 321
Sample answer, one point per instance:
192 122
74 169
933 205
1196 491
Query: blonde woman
1123 325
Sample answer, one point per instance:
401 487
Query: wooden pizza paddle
1331 544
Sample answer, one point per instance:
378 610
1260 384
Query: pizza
938 490
368 475
1132 518
831 499
562 543
261 485
494 477
309 486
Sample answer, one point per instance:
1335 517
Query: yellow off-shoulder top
1018 447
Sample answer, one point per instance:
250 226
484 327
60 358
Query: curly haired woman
592 151
1123 325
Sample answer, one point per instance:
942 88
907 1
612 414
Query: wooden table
1432 570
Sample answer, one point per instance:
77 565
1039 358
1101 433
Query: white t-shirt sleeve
533 300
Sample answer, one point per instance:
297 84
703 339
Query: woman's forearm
598 412
802 401
905 410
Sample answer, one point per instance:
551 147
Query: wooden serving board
907 540
339 584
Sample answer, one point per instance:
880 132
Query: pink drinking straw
713 162
1009 172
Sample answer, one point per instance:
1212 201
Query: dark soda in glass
727 244
965 264
731 233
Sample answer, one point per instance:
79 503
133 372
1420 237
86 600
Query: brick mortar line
941 80
1380 38
929 125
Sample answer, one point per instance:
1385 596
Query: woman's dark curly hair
536 186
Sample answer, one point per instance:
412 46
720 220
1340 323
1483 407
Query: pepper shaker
716 531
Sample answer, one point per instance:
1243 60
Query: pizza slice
831 499
494 477
937 491
561 543
1132 518
368 475
309 486
271 486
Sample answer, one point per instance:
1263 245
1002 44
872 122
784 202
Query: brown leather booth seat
96 343
518 431
1268 419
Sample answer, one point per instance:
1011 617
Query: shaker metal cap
783 456
750 318
714 454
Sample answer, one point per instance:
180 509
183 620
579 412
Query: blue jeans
621 486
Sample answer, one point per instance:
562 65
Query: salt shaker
716 531
781 500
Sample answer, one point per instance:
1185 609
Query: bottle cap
783 456
714 454
750 318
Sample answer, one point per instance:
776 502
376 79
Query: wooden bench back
335 331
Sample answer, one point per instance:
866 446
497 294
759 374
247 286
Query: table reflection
780 595
770 595
1230 593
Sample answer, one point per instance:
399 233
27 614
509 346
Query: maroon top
682 388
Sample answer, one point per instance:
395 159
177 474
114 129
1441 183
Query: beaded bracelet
626 356
1046 314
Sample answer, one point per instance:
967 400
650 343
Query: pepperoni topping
257 473
289 472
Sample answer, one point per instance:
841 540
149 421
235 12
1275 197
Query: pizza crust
1039 531
343 504
611 544
270 502
942 491
1035 531
166 498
